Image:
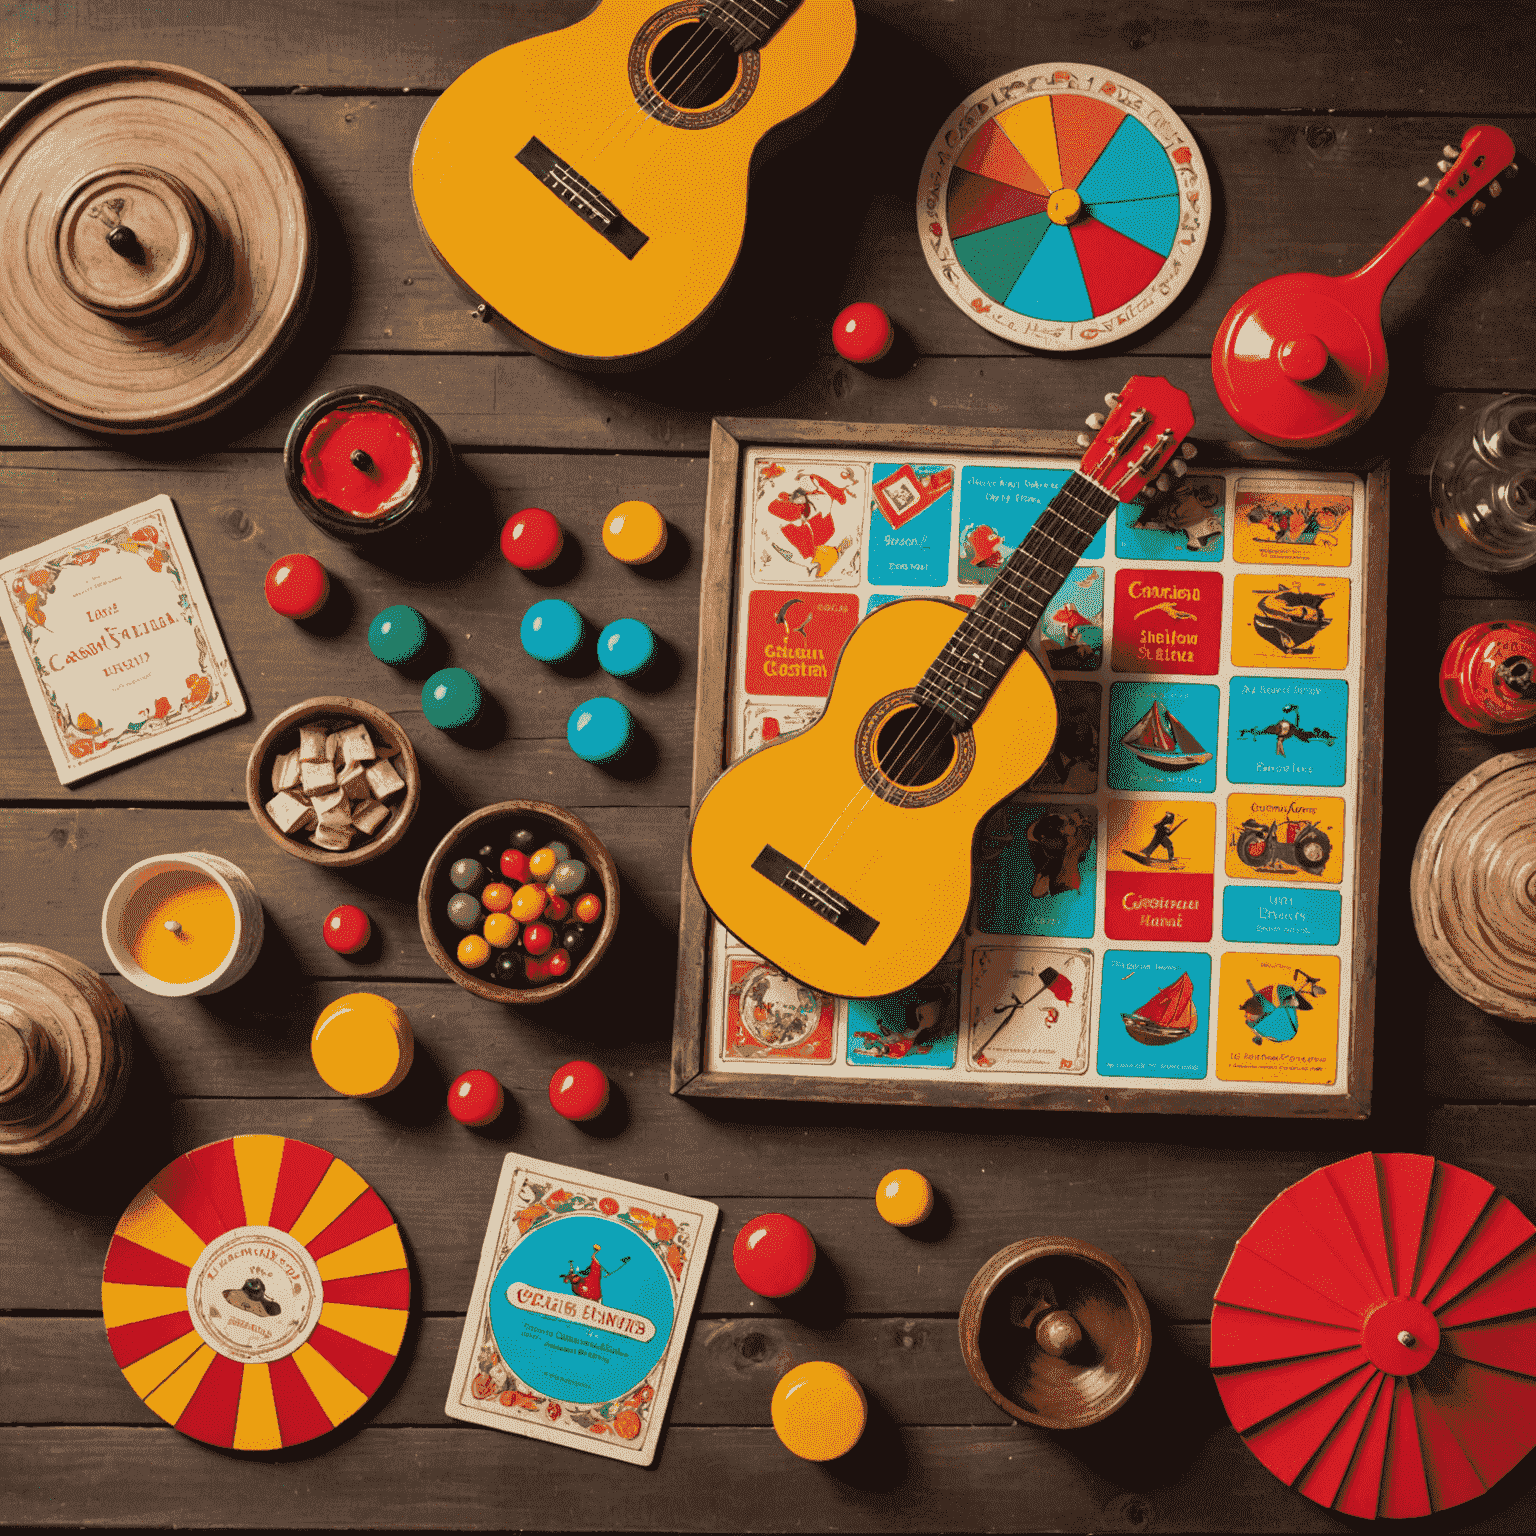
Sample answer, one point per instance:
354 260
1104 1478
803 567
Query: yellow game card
1290 621
1286 837
1277 524
1277 1019
1160 871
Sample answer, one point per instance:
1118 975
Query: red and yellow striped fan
256 1293
1374 1336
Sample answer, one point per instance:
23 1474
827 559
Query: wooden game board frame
731 438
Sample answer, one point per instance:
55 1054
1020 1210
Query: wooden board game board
1177 912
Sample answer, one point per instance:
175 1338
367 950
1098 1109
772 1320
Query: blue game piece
397 634
552 630
451 698
600 730
626 648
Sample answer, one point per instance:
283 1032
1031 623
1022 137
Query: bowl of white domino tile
333 781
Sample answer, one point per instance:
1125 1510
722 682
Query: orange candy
499 930
542 864
528 902
473 951
496 898
589 907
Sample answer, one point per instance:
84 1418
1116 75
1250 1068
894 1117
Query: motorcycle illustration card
1071 633
1027 1008
771 1017
916 1027
913 505
1277 1018
1154 1013
1287 837
999 504
1294 622
1162 736
580 1309
1278 523
1036 870
762 723
1160 871
1289 730
1186 524
1167 622
807 522
793 640
1072 765
1267 914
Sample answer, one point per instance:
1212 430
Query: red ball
774 1254
863 333
347 929
537 971
296 586
537 938
475 1098
558 963
579 1091
514 866
589 907
532 539
557 908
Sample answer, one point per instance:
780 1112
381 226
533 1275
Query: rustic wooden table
1316 120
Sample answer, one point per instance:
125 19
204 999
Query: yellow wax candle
179 926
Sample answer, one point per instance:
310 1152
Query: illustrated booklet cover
580 1309
116 640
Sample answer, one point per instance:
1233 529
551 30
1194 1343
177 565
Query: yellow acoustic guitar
590 185
858 883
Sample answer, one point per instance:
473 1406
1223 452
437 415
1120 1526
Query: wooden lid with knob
155 247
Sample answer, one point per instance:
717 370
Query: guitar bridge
581 197
815 894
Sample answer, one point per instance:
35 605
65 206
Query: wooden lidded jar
65 1051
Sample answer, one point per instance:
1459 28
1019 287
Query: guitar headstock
1145 427
1485 153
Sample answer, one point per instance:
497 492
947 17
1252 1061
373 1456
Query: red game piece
532 539
347 929
774 1254
579 1091
476 1098
514 866
537 938
557 909
557 964
863 333
589 907
1488 676
297 586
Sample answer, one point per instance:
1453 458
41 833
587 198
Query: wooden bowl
283 735
1055 1332
441 937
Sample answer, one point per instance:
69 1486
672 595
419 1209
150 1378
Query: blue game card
1287 730
1154 1013
999 504
1037 870
1072 626
1162 736
1259 914
916 1027
910 512
1188 523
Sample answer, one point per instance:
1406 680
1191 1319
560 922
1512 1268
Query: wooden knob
1057 1333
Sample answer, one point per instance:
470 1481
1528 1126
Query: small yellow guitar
590 185
859 884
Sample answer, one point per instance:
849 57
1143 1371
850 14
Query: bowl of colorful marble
518 902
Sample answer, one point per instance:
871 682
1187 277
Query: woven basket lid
155 247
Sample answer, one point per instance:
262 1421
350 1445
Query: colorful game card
1167 621
1154 1013
999 504
1163 736
1186 524
1277 1018
1294 622
1266 914
913 506
771 1017
1027 1008
793 640
1036 870
1072 766
807 522
762 723
1072 627
1293 524
1287 730
1160 871
916 1027
1292 838
580 1310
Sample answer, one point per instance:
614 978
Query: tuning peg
1495 190
1510 171
1442 166
1425 184
1477 206
1187 452
1179 468
1450 151
1164 483
1096 420
1112 401
1465 222
1084 441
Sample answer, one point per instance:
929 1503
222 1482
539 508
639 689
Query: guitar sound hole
693 66
915 745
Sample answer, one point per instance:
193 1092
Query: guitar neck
994 633
747 23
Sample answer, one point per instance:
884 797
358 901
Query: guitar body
902 858
675 174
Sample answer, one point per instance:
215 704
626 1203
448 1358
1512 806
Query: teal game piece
451 698
397 634
626 648
600 730
552 630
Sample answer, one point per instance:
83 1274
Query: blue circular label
582 1309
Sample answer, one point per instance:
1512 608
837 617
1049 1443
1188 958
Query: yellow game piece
362 1045
634 532
819 1411
499 930
473 951
904 1197
529 901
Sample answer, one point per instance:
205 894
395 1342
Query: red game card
793 640
1168 622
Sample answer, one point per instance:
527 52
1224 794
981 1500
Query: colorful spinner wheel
1373 1337
256 1293
1063 207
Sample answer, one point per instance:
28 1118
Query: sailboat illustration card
1160 871
1036 871
1186 524
1154 1014
580 1310
807 522
1026 1008
1162 736
999 504
1288 730
1277 1018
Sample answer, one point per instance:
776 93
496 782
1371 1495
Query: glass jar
1483 487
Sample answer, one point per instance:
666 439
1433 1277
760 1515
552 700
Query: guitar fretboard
747 23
